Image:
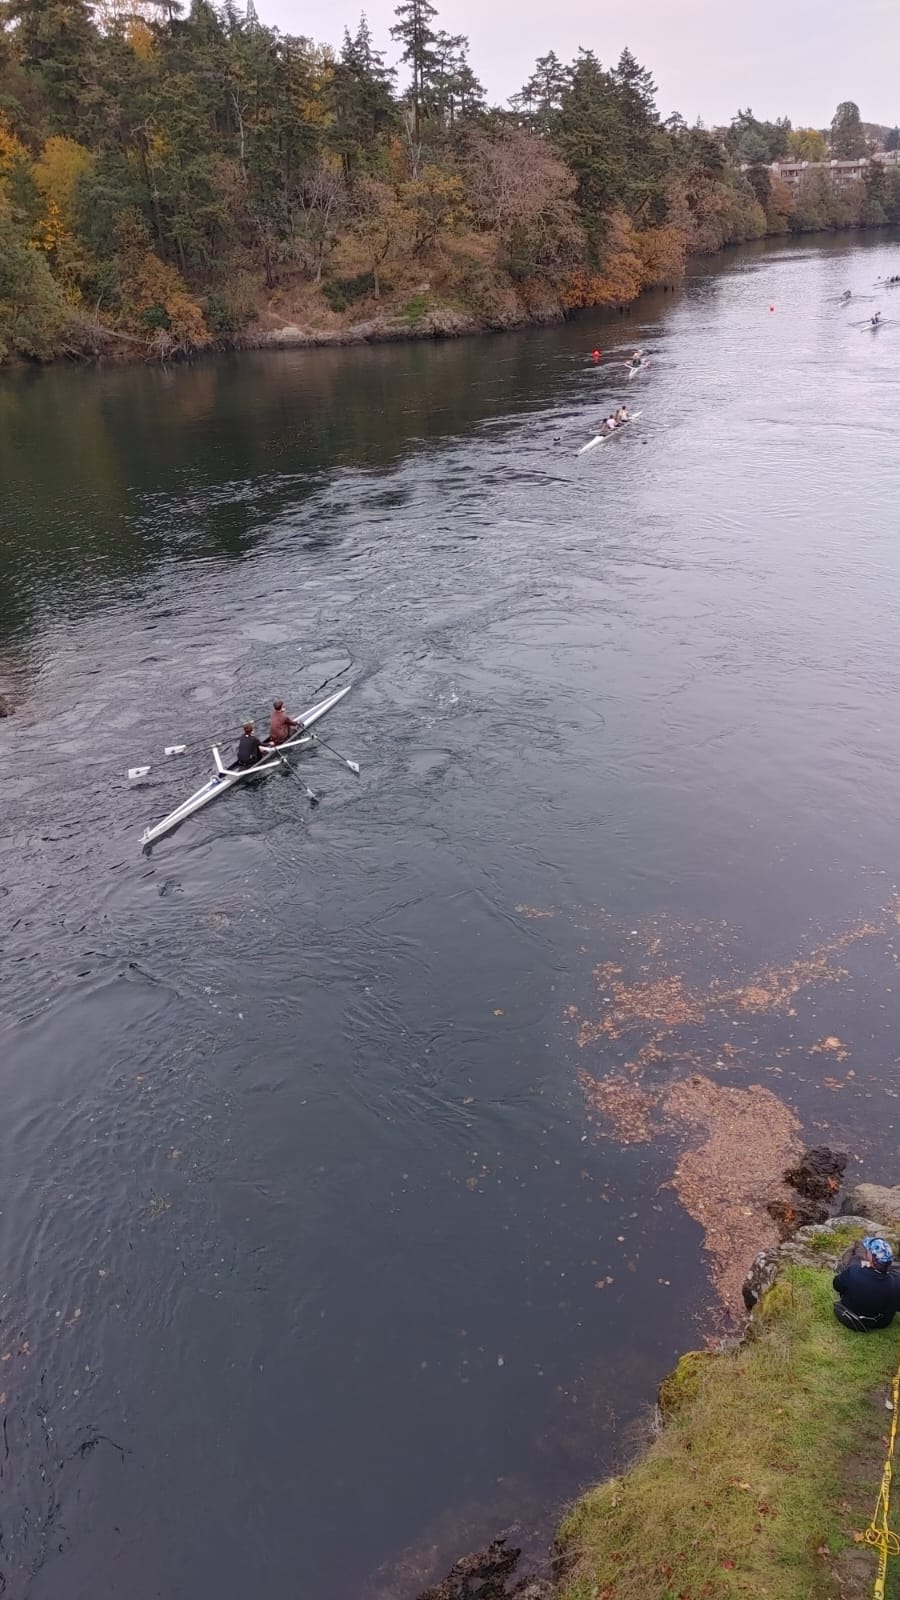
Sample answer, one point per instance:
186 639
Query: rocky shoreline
441 322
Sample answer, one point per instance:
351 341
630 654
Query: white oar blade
136 773
174 749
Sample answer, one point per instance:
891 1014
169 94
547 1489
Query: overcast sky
794 58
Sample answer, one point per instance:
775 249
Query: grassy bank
768 1465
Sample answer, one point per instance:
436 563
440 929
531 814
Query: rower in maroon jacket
281 726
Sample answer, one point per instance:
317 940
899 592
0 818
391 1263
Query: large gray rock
813 1247
875 1200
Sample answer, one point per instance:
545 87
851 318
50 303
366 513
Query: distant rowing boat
225 778
601 438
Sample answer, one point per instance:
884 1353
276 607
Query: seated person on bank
867 1286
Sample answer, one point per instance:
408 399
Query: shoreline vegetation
765 1472
174 180
763 1468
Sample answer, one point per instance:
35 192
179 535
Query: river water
302 1215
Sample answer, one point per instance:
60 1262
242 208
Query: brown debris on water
776 987
662 1003
830 1046
727 1181
739 1142
625 1109
660 1033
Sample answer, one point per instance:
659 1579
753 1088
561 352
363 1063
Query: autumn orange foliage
662 252
154 296
637 261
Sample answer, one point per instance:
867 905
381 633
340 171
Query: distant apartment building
842 173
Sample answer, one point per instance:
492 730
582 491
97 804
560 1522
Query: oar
311 797
353 765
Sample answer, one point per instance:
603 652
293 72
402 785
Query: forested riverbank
170 181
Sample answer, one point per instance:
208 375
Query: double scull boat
601 438
225 778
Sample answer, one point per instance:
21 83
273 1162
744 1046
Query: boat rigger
227 777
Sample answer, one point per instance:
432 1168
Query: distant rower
281 726
249 749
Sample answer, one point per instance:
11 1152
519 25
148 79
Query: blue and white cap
878 1249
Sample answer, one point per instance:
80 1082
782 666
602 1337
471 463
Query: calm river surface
302 1216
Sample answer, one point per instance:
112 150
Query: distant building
887 158
842 173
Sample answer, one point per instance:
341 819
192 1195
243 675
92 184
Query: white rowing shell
600 438
228 777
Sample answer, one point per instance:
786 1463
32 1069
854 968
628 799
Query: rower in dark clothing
249 749
867 1287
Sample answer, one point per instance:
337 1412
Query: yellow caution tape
878 1533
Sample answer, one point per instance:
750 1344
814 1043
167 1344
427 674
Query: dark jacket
866 1291
248 751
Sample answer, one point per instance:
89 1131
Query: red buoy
596 354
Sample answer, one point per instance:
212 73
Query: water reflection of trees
106 473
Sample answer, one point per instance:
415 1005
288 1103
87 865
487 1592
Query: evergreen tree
758 143
470 96
647 151
637 92
541 97
848 141
779 138
590 133
362 102
451 89
57 42
892 142
695 149
414 32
